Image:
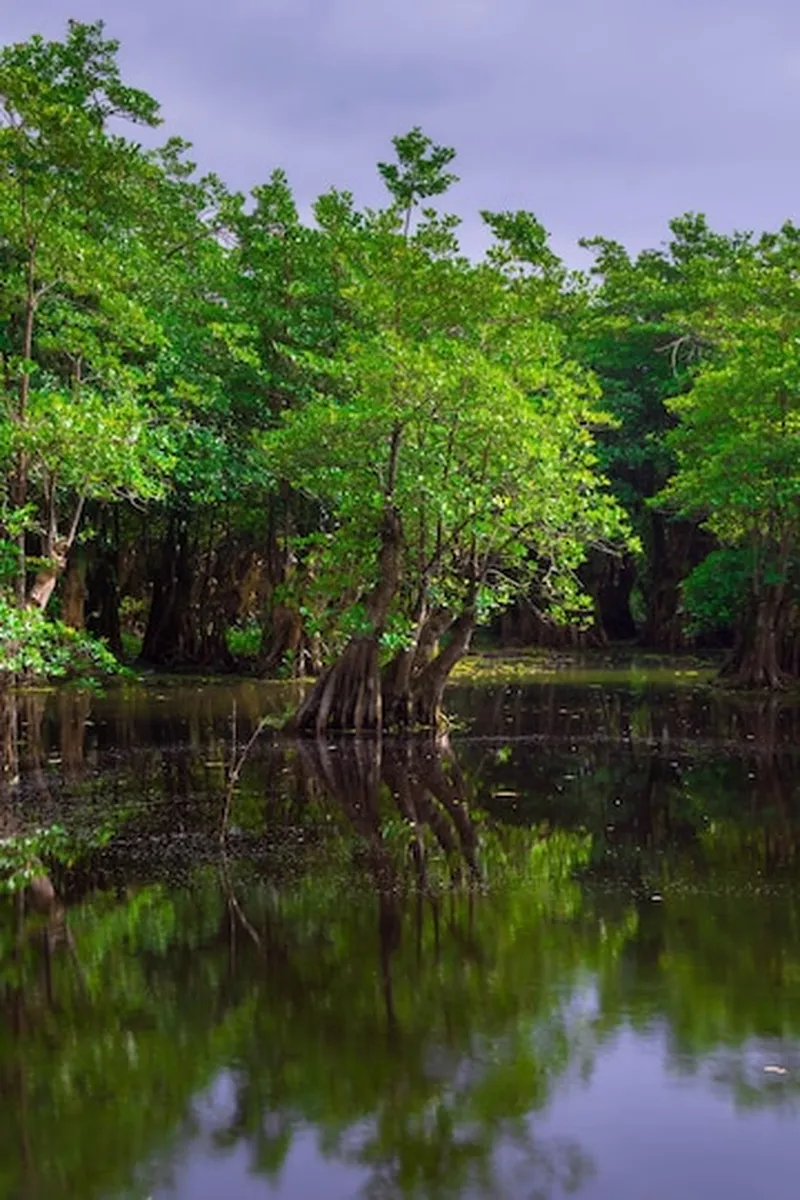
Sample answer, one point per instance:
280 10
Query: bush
33 647
715 592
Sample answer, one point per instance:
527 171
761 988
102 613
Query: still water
558 955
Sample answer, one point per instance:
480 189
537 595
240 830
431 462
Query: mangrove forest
236 440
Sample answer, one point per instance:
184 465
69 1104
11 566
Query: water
560 955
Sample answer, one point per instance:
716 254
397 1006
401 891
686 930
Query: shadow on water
400 970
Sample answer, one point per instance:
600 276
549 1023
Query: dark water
560 955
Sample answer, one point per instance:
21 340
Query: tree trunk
790 644
74 594
427 689
57 550
165 634
675 548
347 696
396 690
523 625
103 599
283 637
611 583
196 595
19 488
436 625
46 579
9 738
19 495
764 654
397 681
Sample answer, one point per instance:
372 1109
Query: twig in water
234 772
236 769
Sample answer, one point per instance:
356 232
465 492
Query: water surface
558 955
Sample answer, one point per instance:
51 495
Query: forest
235 440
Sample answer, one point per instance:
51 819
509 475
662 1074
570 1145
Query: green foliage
26 857
21 857
98 238
245 641
419 172
737 441
452 402
33 647
737 437
91 447
268 389
715 593
696 349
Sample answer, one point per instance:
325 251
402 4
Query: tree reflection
406 950
414 1021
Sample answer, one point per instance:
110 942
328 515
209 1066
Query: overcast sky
601 116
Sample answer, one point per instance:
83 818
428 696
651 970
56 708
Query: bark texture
347 696
766 653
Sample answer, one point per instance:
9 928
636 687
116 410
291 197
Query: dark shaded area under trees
234 440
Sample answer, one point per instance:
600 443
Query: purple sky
601 116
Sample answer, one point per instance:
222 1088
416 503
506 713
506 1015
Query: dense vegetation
339 447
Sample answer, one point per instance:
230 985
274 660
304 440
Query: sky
603 117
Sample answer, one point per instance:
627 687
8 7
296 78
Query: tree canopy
339 445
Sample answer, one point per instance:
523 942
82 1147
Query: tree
635 330
737 445
453 459
83 232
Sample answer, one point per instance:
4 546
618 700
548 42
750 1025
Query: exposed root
346 697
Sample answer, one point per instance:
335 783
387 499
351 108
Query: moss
537 666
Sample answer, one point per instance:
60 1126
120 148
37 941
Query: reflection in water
413 1084
404 971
